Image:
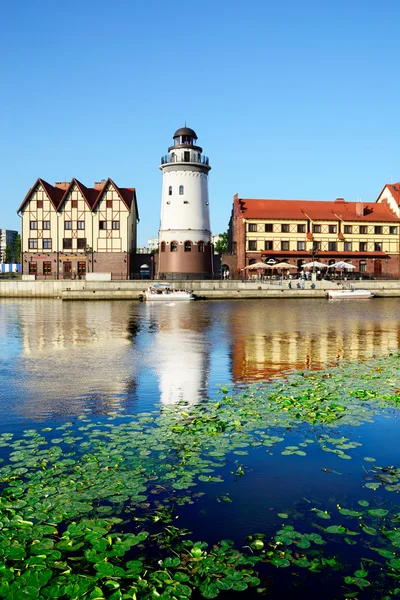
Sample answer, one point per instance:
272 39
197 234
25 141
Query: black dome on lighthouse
185 131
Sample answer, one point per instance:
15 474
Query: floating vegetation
90 509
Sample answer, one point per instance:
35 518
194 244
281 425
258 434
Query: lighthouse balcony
199 159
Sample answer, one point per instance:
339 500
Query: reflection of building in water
266 351
180 353
76 354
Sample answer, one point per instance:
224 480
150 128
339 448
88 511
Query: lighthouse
185 237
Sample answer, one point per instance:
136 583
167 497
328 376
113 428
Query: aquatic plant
89 510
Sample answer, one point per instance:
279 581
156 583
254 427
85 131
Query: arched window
174 246
188 246
181 190
170 190
252 261
162 246
200 246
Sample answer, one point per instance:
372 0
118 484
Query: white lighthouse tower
185 236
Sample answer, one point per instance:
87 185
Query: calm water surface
59 359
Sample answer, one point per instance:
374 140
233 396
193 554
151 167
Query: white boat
349 294
162 292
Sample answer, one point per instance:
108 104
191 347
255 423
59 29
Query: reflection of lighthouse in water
180 354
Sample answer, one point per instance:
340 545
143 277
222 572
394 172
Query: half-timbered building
69 230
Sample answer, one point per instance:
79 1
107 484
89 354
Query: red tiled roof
92 196
89 194
315 210
395 191
127 195
54 194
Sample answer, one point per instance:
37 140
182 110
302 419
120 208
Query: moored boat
351 294
162 292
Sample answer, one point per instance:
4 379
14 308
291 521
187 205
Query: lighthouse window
200 246
188 246
181 190
174 246
170 190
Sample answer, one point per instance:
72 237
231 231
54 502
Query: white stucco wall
189 211
387 195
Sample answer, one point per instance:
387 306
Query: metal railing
200 160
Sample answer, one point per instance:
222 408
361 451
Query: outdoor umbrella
284 265
260 265
341 264
314 263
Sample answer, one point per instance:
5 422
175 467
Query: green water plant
90 509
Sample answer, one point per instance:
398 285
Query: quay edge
211 289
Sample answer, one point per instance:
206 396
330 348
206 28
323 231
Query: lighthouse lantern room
185 236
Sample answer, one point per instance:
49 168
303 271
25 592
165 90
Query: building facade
8 238
365 234
69 230
185 236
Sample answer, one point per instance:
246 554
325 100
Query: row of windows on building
181 190
348 229
47 243
47 267
74 203
332 246
68 225
187 246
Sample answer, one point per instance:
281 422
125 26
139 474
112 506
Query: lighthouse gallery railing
201 160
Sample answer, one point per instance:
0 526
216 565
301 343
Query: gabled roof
127 195
314 210
89 194
394 189
92 196
54 194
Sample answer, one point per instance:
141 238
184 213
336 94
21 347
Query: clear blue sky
290 99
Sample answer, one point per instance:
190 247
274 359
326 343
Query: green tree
17 249
8 254
13 251
221 246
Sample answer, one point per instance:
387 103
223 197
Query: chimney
98 185
359 209
62 185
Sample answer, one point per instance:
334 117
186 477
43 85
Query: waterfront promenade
205 289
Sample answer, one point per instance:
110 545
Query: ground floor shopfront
57 265
371 265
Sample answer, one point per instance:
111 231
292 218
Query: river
72 374
62 359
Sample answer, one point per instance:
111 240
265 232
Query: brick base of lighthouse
185 265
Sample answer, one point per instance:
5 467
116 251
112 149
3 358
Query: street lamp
88 252
314 254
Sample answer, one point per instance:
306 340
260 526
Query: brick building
365 234
69 230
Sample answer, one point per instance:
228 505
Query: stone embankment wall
131 290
